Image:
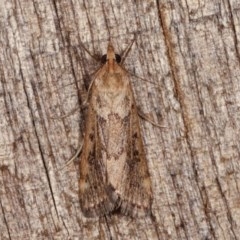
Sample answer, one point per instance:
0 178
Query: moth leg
67 114
73 157
143 116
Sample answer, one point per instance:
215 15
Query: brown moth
113 167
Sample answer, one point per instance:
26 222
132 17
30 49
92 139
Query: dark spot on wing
91 137
91 158
135 135
135 153
137 159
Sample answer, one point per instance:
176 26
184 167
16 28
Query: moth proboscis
113 167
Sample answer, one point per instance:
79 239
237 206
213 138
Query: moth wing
94 199
132 193
135 191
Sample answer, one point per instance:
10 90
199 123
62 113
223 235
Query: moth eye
118 58
104 58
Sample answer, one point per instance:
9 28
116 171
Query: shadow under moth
113 167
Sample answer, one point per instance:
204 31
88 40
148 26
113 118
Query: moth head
110 55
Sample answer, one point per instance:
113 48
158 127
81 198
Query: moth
113 167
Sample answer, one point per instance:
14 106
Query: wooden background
185 75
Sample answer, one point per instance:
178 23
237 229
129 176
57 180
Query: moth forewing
113 166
